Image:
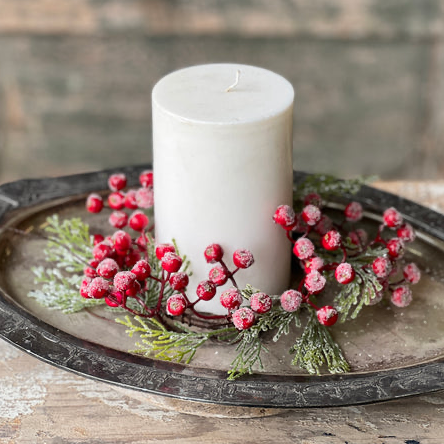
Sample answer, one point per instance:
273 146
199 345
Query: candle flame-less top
199 94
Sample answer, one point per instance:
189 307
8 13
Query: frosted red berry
98 288
138 221
324 225
327 315
382 267
117 182
285 217
303 248
345 273
261 302
133 289
213 253
132 257
206 290
94 203
313 264
406 233
114 299
141 269
97 238
331 241
84 287
411 273
395 247
313 199
145 198
231 298
314 282
107 268
142 242
121 240
179 281
392 218
130 200
218 275
353 212
171 262
146 178
176 305
243 258
243 318
358 237
291 300
123 280
116 200
118 219
161 249
102 251
90 271
311 215
401 296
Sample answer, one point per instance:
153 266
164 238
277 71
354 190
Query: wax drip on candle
238 73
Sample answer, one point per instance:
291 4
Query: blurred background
76 78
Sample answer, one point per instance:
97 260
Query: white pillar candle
222 165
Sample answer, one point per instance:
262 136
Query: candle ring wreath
131 274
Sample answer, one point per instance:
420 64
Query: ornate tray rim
68 352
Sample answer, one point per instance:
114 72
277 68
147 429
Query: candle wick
238 73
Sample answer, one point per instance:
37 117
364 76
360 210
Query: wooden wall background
76 78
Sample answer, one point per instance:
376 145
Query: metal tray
393 352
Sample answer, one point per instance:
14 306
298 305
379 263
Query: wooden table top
41 404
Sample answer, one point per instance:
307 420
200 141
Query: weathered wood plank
319 18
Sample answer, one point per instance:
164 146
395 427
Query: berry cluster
120 201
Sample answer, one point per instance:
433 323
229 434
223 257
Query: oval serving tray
393 352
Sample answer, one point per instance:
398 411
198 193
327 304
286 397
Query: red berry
412 273
324 225
261 303
114 299
358 237
392 218
285 217
171 262
102 251
98 288
141 269
124 280
231 298
218 275
179 281
401 296
161 249
327 315
107 268
130 200
176 304
138 221
243 318
291 300
300 224
243 258
353 212
97 238
133 289
314 282
382 267
84 287
313 199
395 247
94 203
91 270
118 219
332 240
121 240
206 290
345 273
146 178
303 248
311 215
117 182
213 253
406 233
116 200
131 258
142 242
145 197
313 264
